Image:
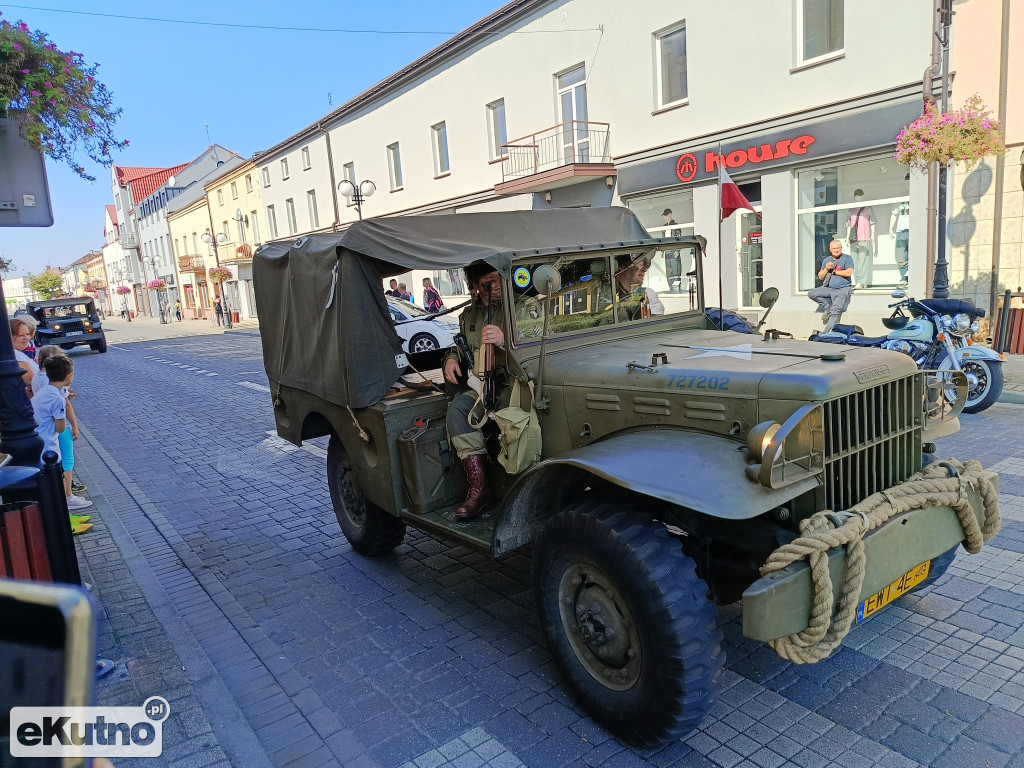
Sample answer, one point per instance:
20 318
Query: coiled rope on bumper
940 484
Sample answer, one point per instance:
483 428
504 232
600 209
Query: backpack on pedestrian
432 300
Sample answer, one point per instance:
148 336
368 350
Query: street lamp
159 298
357 194
216 241
119 276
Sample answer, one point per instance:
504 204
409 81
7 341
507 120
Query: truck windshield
600 290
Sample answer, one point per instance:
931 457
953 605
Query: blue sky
254 87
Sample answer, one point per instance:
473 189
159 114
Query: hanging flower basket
244 251
220 274
122 290
965 135
91 289
157 285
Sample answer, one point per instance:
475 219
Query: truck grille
872 440
70 326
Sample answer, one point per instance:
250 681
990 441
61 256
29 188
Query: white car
421 335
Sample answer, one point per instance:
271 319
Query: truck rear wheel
369 529
628 621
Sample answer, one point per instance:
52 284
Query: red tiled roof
127 173
145 186
112 213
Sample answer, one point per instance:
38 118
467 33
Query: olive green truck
682 465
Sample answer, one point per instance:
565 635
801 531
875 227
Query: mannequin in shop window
899 230
861 221
673 261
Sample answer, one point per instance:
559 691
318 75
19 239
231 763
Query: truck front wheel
369 529
628 621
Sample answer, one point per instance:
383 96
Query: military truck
676 456
68 323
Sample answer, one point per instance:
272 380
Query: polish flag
730 195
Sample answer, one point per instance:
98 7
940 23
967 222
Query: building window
241 230
348 171
220 197
820 28
289 207
266 176
284 168
272 221
227 232
306 165
572 109
248 182
394 166
439 140
314 217
864 207
670 66
234 190
255 226
496 131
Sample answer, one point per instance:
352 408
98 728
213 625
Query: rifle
489 395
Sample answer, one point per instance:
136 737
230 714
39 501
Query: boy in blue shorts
50 410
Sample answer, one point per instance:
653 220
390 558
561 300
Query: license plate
75 333
898 588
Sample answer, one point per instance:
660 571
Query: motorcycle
937 335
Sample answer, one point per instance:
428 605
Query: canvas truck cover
324 320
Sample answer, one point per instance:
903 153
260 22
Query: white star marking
740 351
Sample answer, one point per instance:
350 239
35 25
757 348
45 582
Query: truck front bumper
779 604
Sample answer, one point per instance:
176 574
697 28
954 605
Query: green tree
47 284
59 105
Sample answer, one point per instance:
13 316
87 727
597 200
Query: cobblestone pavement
227 587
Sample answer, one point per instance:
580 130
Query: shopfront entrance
751 257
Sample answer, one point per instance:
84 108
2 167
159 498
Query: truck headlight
759 439
56 327
789 452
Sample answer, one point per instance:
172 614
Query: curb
1011 396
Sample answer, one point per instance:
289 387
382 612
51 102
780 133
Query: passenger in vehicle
635 301
485 288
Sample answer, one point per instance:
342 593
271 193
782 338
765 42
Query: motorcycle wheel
986 383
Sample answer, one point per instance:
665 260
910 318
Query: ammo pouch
520 439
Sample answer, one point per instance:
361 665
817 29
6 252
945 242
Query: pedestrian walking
218 311
431 298
177 310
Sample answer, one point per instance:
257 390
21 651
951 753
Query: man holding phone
833 295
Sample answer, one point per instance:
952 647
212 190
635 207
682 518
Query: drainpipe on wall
330 168
997 212
928 98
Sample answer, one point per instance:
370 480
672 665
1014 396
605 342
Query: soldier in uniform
485 287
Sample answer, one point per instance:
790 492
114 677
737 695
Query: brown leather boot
479 494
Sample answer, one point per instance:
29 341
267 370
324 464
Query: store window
669 215
820 28
865 205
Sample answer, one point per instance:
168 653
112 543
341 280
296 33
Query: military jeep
676 456
68 323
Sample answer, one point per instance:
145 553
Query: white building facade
575 103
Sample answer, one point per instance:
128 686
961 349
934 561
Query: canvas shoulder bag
520 440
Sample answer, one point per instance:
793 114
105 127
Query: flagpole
721 301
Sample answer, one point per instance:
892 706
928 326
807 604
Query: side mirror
898 294
768 298
547 279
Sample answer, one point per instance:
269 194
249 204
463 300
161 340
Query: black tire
100 345
938 568
67 346
989 377
725 320
422 342
369 529
599 566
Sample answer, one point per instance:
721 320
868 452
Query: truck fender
970 353
701 472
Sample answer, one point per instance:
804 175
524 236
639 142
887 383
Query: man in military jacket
485 287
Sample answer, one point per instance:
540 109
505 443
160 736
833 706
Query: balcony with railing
233 253
558 156
128 240
191 263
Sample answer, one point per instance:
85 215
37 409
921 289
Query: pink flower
48 85
34 93
17 47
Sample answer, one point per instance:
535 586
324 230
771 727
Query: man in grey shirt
833 295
